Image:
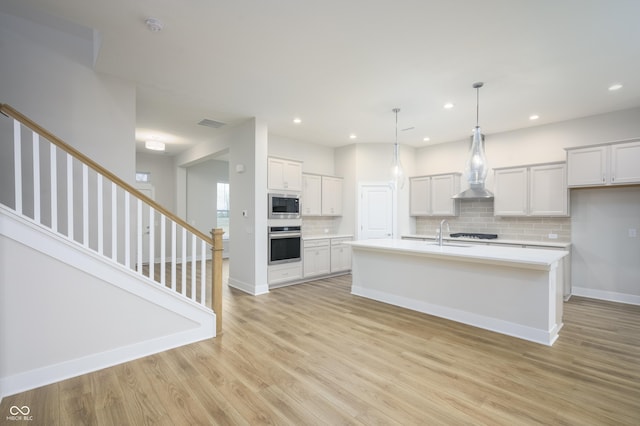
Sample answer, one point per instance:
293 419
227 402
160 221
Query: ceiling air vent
211 123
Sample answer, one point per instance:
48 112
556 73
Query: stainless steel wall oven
285 244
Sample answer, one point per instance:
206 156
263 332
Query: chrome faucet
442 222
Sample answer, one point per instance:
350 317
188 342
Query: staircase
84 284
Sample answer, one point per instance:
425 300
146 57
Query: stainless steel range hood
476 167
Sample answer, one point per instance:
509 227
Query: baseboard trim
611 296
481 321
248 287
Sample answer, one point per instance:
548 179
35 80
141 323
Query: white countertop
561 245
510 256
325 236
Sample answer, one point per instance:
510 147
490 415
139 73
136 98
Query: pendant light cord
477 106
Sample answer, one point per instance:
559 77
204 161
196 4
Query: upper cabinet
285 175
534 190
321 195
610 164
331 196
431 195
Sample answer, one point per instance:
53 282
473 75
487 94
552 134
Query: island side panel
510 300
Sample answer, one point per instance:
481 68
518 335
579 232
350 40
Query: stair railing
58 187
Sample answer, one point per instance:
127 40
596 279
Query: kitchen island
514 291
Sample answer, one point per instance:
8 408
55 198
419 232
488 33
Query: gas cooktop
474 235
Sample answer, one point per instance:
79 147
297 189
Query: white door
376 211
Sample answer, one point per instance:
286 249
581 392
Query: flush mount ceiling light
154 145
615 87
426 139
297 120
534 117
448 105
154 24
352 136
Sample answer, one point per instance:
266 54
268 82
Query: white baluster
69 196
85 205
163 237
36 177
54 188
127 229
114 222
17 161
100 215
152 243
173 255
184 262
194 259
203 272
139 259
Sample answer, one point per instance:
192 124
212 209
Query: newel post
216 277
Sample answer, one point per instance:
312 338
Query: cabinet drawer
340 241
316 243
283 273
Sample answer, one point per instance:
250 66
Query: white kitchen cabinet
316 257
431 195
600 165
284 174
534 190
625 163
340 255
331 196
311 197
283 273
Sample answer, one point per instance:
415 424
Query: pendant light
397 172
476 167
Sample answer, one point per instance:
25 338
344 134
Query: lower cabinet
340 255
278 274
316 258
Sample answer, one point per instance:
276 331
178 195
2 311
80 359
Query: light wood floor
315 354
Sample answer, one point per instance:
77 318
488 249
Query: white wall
315 158
605 259
92 112
202 179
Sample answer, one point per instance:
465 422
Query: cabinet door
284 174
420 198
625 163
510 187
340 256
311 196
442 189
548 193
316 261
331 196
587 166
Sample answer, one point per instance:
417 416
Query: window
143 177
222 207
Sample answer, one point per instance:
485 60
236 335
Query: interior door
149 191
376 211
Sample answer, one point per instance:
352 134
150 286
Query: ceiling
342 66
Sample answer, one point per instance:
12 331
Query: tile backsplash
477 216
320 225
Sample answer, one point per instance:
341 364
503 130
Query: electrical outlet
553 236
633 232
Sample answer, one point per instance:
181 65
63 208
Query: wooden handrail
26 121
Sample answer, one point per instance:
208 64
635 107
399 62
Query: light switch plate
633 232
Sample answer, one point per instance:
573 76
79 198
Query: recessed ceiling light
448 105
352 136
154 145
615 87
427 139
297 120
534 117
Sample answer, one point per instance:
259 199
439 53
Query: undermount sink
450 245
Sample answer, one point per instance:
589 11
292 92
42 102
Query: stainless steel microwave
284 206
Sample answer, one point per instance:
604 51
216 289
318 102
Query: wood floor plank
316 354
